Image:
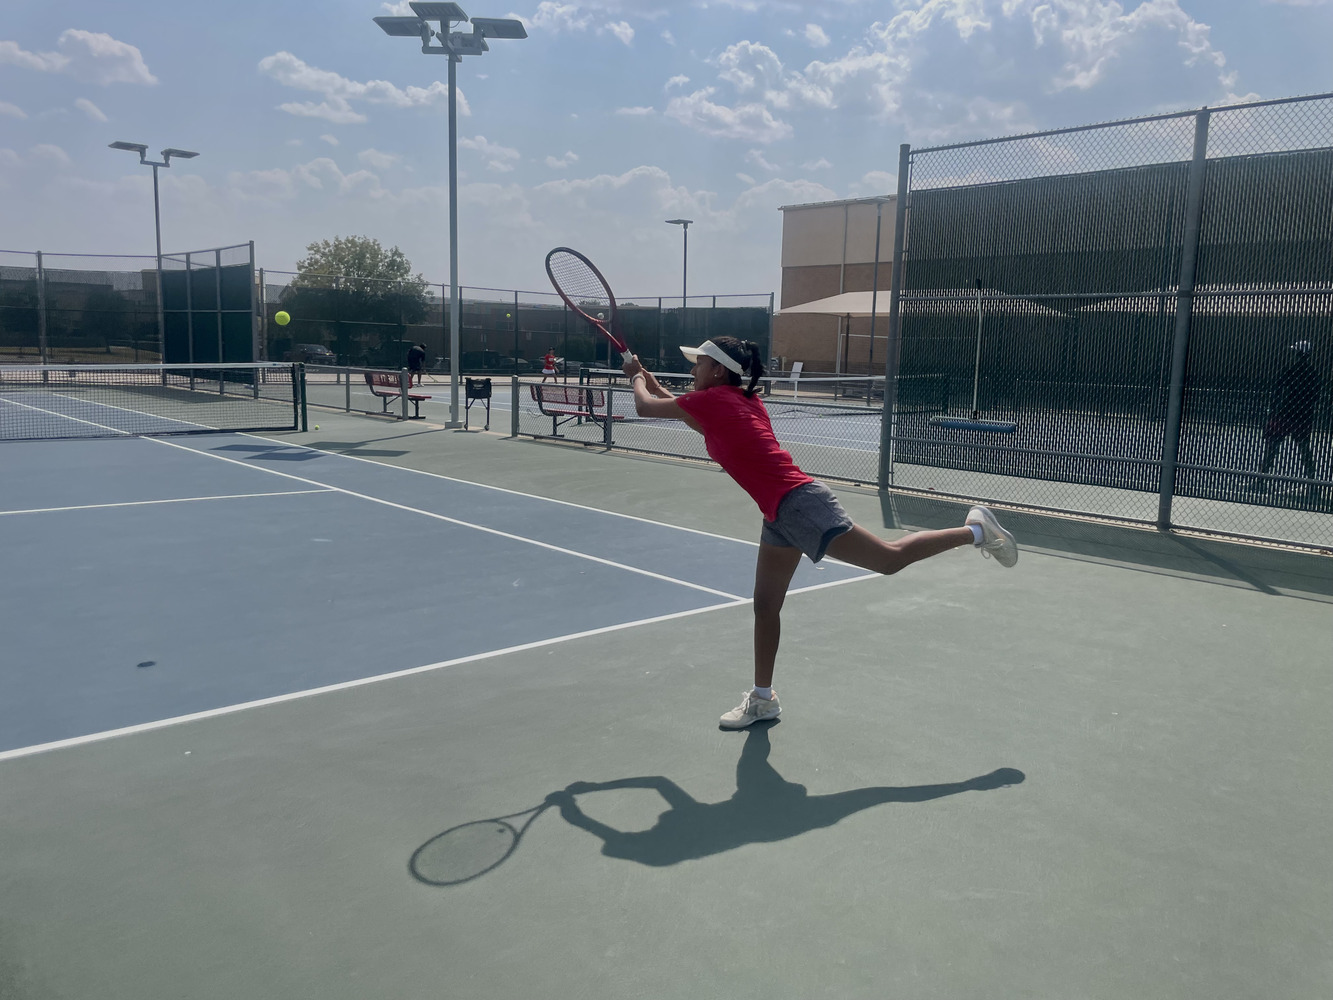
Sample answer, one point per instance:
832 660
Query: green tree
363 295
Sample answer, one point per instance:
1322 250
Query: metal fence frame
1185 299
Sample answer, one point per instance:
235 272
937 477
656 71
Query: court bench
389 385
563 403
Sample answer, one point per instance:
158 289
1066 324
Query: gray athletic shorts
809 518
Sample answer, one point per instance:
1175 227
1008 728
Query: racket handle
626 357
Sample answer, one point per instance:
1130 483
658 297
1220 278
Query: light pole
684 266
455 45
167 154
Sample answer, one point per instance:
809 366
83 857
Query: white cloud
815 35
91 56
622 31
757 158
48 153
748 122
331 139
819 164
636 112
745 179
43 62
561 162
678 80
498 158
376 160
9 158
338 92
13 110
668 37
557 17
90 109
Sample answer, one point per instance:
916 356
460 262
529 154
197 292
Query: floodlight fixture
684 264
403 27
167 154
438 11
499 27
455 45
459 44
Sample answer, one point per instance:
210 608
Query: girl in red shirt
800 513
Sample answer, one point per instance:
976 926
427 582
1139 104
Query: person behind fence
1291 414
416 363
801 515
548 365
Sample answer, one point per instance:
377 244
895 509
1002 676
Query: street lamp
455 45
684 265
167 154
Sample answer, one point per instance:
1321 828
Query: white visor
716 353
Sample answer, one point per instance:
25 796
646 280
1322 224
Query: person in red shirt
548 366
801 514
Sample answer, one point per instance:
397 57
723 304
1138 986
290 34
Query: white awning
846 304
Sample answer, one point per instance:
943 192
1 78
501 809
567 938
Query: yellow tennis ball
316 426
282 319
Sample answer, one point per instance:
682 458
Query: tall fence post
888 422
1189 252
41 313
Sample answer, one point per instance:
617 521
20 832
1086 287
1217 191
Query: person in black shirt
1291 414
416 362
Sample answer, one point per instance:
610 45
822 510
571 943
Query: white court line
147 503
145 727
533 496
463 524
66 416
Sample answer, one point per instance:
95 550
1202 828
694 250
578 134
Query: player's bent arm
646 405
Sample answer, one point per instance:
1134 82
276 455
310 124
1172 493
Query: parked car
311 354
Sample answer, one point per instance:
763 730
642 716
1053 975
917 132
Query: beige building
828 248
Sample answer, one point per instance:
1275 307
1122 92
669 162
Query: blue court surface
164 578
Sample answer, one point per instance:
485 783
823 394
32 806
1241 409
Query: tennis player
801 515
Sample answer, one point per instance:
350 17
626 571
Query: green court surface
1160 709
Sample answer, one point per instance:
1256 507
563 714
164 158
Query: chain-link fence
366 322
105 309
1129 320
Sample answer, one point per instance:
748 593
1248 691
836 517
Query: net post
1189 253
513 406
298 395
610 408
404 386
347 390
887 421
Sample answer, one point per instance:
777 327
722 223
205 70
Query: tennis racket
585 291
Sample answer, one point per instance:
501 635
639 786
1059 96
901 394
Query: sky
610 118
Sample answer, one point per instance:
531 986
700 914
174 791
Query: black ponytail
746 354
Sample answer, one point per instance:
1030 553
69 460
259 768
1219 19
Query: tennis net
42 402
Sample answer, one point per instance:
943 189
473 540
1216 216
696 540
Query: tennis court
1103 773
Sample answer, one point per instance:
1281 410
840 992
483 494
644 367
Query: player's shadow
765 807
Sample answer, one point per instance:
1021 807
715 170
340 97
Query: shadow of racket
470 850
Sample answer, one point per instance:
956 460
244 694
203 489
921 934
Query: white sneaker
996 541
751 710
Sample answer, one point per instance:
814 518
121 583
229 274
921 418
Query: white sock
978 536
765 693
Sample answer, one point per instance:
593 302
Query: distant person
416 363
548 365
1291 415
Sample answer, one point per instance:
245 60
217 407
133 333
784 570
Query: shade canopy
846 304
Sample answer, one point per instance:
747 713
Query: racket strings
578 281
